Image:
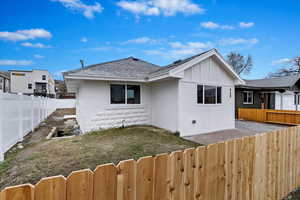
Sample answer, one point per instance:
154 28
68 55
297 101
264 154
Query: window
209 94
125 94
248 97
297 99
199 93
219 94
133 94
44 77
117 94
29 86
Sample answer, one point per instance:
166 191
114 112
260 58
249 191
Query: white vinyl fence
20 114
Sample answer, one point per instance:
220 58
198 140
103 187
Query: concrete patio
243 128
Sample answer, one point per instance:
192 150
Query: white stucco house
191 96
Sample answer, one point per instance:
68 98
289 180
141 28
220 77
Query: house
281 93
34 82
4 82
61 91
190 96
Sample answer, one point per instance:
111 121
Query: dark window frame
29 86
128 101
218 98
247 97
44 77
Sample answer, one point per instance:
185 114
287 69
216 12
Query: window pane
199 93
117 94
245 97
250 97
210 94
133 94
219 94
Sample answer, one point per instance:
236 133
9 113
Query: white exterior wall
288 102
19 84
208 118
94 110
165 104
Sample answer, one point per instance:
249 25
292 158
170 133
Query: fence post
32 113
1 128
39 98
20 116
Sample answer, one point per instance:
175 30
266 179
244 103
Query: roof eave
102 78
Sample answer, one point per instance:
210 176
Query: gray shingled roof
278 82
124 68
128 68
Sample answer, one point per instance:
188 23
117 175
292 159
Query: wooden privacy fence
267 115
259 167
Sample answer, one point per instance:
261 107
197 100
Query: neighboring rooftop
5 74
278 82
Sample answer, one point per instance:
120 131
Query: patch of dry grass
62 156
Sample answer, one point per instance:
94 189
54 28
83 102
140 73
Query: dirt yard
42 158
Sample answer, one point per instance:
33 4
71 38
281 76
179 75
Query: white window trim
124 104
203 95
251 92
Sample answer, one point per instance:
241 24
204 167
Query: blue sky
56 34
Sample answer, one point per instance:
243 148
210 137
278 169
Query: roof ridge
108 62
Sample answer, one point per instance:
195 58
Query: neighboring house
4 82
34 82
191 96
61 91
271 93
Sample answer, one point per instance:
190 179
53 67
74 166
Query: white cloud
142 40
22 35
180 50
246 24
213 25
84 39
35 45
15 62
37 56
238 41
281 61
87 10
161 7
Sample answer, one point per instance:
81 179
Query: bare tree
292 68
239 63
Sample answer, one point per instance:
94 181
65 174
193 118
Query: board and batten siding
211 117
94 110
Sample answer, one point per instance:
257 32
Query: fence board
145 176
105 182
80 185
229 167
189 173
22 192
176 175
161 177
212 178
200 173
52 188
126 180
